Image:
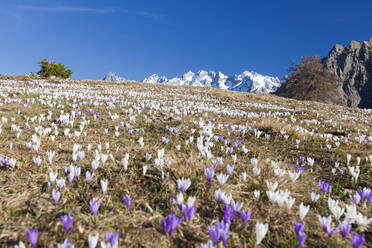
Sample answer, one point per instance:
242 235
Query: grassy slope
25 198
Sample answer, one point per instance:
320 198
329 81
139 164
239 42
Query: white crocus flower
314 197
179 199
336 210
256 194
362 222
303 211
104 184
294 176
61 183
271 186
256 171
191 201
104 158
20 245
183 184
12 163
348 157
93 240
354 171
261 230
351 213
124 162
52 176
222 178
289 203
244 176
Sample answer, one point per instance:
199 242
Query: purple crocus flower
70 177
237 143
357 240
67 221
94 206
220 232
127 202
220 138
5 162
369 197
112 238
65 170
364 194
170 224
299 168
298 227
209 173
302 159
327 225
228 214
215 235
188 211
148 157
324 186
164 140
228 142
33 236
345 228
301 237
245 216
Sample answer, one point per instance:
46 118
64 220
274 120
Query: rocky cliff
353 65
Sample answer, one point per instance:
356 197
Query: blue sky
137 38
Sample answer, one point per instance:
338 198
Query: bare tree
308 80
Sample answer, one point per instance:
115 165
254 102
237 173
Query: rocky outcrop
353 65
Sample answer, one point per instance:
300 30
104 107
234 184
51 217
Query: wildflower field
93 164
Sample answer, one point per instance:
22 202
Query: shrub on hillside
49 69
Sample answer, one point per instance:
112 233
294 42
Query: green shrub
49 69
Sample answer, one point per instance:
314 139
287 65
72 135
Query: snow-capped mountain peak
248 81
111 77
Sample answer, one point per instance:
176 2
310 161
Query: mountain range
248 81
